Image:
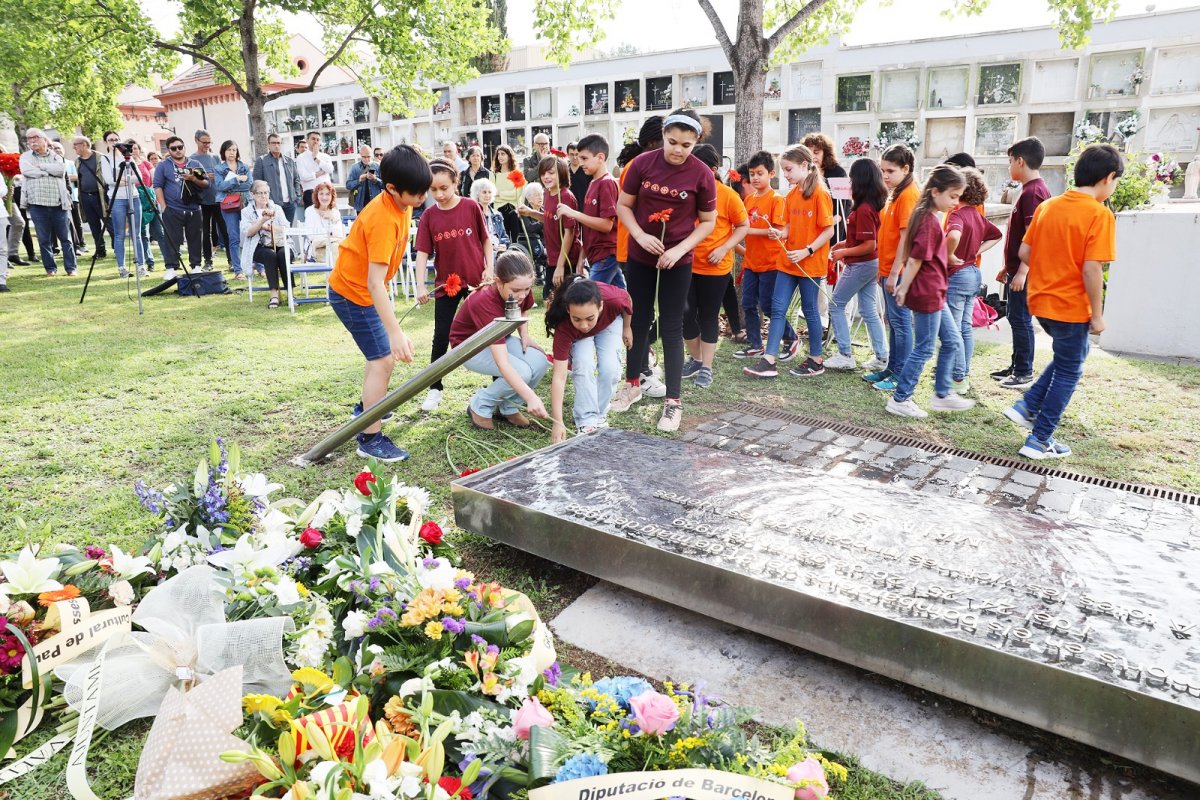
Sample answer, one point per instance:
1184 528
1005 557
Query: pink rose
531 714
655 713
811 775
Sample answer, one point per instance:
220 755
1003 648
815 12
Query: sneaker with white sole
839 361
762 369
1017 382
808 368
906 409
1039 451
357 411
432 401
1020 414
876 364
951 402
704 378
788 350
691 367
653 387
169 275
625 398
672 414
380 448
1001 374
881 374
748 352
962 386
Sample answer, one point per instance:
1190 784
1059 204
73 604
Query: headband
685 120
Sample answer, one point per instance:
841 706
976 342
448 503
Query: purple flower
151 499
94 553
478 640
462 583
493 650
552 674
387 613
374 622
374 584
453 625
429 562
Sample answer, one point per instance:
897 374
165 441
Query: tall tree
776 31
58 69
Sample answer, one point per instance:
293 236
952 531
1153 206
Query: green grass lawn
96 397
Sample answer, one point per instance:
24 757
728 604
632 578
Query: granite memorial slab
1089 633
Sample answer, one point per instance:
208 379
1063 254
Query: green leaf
546 747
521 631
447 702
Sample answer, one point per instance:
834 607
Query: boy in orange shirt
367 259
765 254
1062 266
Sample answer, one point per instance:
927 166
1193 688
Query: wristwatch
810 250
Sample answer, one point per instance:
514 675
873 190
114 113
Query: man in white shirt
450 152
313 167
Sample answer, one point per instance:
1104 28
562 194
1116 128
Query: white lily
126 565
286 593
30 574
441 575
257 484
245 557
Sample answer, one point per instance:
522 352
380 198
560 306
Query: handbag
232 202
199 284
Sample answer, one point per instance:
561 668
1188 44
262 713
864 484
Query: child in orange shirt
1062 267
764 255
809 210
897 164
367 259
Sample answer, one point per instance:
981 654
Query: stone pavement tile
883 462
822 435
843 469
775 440
1027 478
874 446
732 416
691 435
768 424
916 471
1059 501
902 451
797 430
831 451
963 464
848 440
993 471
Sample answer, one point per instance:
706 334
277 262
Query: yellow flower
309 676
254 703
302 589
434 630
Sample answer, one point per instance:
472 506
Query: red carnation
312 538
453 285
361 481
468 471
432 532
451 785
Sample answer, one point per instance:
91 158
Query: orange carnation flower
518 178
68 592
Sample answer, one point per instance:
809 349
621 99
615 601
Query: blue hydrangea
584 765
621 688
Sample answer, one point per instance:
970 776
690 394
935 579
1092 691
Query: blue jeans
900 330
960 301
233 239
606 270
531 365
810 290
928 328
1050 394
858 280
1021 323
758 293
595 367
127 221
152 230
364 325
52 223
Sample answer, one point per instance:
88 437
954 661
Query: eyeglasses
111 141
260 194
175 147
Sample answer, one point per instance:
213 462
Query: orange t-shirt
1065 232
892 220
622 231
379 235
765 211
731 212
807 217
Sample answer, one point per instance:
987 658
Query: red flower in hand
312 538
518 178
432 532
10 164
665 215
453 285
363 480
656 216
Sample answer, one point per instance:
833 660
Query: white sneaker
906 409
951 402
141 271
625 398
672 413
840 361
875 365
432 400
652 386
169 275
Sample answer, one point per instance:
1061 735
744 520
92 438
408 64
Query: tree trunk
255 105
256 99
748 111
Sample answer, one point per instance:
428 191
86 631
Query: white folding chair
297 245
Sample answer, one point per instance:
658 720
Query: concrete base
905 736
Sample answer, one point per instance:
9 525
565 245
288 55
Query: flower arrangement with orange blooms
518 178
664 217
10 164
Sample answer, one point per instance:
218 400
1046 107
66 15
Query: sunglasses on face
175 147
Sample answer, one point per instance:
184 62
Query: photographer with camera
363 181
179 184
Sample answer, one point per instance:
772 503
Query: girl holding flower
562 243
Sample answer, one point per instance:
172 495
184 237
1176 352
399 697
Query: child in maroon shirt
968 235
598 217
563 252
455 234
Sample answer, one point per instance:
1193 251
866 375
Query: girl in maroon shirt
668 204
562 241
455 234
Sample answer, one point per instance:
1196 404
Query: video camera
125 149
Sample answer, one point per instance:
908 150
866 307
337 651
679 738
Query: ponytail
575 290
943 178
901 156
799 154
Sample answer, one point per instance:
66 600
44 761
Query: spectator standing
151 221
4 235
378 154
579 180
450 153
92 179
475 171
279 171
211 234
76 221
362 182
313 167
16 227
126 217
233 194
44 195
541 149
178 189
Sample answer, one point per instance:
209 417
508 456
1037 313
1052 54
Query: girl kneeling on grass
590 322
922 289
515 360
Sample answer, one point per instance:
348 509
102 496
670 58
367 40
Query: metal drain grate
1158 492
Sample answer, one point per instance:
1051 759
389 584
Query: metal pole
497 329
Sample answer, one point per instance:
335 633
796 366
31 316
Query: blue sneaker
888 384
358 410
1020 414
876 377
380 448
1039 451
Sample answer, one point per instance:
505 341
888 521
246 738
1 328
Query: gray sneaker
691 367
704 377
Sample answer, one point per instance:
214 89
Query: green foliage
831 18
566 30
1074 18
1133 189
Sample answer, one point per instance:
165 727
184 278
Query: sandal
274 303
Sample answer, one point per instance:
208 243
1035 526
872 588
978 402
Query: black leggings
703 306
671 286
273 264
733 307
444 309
